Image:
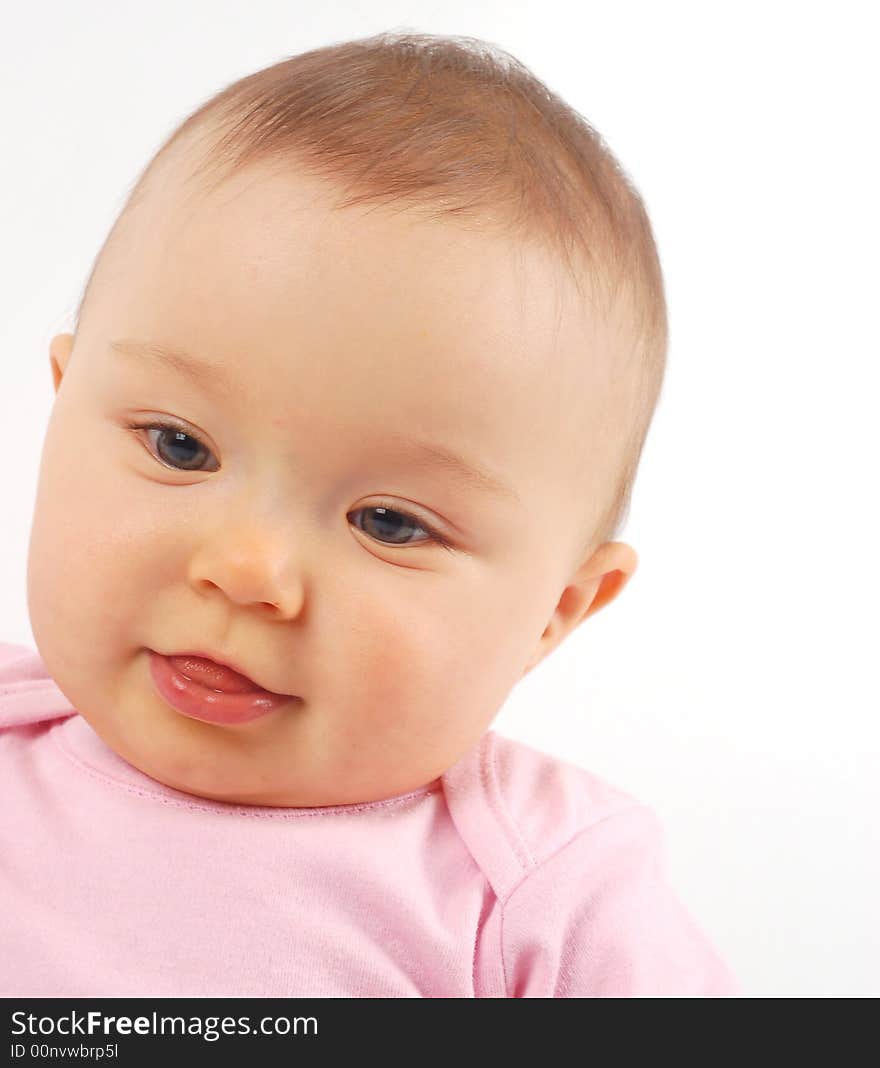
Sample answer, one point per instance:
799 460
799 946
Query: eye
176 442
389 527
393 524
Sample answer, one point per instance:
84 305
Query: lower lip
211 706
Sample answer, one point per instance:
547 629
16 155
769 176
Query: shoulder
28 694
593 912
515 806
547 799
584 906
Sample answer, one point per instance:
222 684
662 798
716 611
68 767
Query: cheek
87 524
438 657
393 647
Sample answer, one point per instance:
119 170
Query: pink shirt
520 875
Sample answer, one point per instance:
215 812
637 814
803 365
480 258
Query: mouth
204 689
216 674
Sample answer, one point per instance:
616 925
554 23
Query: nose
251 569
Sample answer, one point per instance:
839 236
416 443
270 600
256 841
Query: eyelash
434 535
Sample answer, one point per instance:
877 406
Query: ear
595 584
60 348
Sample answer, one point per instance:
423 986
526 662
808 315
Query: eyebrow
427 454
424 453
211 379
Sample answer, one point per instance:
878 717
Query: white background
733 684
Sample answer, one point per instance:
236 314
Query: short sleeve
599 919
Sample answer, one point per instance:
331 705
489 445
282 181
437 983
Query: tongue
214 676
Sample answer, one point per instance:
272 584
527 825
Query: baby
357 391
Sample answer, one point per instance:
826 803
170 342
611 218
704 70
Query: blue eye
181 441
389 520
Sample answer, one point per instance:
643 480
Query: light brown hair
461 128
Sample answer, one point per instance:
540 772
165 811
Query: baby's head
346 269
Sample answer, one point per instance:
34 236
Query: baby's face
335 348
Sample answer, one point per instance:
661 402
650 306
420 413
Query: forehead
468 334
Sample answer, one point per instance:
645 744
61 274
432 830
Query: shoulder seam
12 689
623 807
502 812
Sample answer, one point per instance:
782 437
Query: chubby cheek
421 677
84 585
